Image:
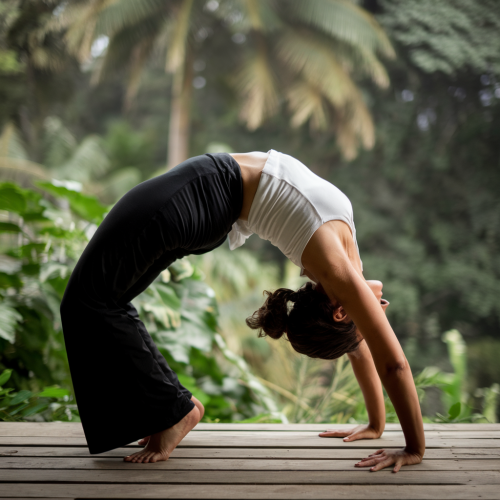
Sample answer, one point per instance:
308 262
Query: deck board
250 477
253 492
248 453
249 461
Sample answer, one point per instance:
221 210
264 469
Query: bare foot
143 441
201 409
162 444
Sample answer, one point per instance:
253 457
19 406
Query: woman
190 210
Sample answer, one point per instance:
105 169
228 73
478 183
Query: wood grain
249 453
250 477
13 462
259 441
253 492
248 461
66 429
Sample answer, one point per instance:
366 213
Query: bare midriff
251 166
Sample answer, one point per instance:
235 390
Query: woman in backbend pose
125 389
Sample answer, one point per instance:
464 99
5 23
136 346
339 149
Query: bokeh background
395 102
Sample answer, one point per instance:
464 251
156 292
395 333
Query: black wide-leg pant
124 388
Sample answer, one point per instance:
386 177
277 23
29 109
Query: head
313 324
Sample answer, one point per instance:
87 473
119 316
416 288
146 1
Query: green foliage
179 310
53 403
306 54
449 36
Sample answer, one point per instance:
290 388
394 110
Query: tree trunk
178 136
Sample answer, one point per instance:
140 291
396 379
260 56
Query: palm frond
127 13
87 162
314 63
177 43
306 103
21 171
344 20
354 126
261 16
310 58
139 57
11 144
255 83
58 141
359 61
81 19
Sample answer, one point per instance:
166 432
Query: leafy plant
43 232
52 403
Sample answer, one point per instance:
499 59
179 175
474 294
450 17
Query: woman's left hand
358 432
384 458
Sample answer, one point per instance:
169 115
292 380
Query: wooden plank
322 427
253 492
229 464
249 477
77 433
195 441
65 429
249 453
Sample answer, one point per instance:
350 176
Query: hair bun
272 317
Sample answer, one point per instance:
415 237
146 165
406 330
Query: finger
382 464
369 463
377 453
357 435
333 433
371 457
397 466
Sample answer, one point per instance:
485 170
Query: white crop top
290 204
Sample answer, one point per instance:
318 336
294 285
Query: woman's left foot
162 444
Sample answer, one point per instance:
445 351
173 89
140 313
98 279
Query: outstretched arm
369 382
325 255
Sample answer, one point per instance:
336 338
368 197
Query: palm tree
305 54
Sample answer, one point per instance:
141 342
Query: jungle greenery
93 107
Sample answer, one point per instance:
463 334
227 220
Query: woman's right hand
359 432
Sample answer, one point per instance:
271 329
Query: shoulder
329 248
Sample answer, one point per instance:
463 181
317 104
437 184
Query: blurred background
395 102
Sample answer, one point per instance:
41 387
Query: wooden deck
248 461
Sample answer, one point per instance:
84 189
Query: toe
131 458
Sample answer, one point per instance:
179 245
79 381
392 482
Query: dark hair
308 323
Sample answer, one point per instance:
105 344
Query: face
376 288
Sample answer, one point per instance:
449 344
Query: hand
359 432
384 458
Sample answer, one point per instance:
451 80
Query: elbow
396 368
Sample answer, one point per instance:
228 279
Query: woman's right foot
201 409
160 445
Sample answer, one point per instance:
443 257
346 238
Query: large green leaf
4 376
9 227
53 392
20 397
12 198
10 280
32 410
190 384
9 318
87 207
454 411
